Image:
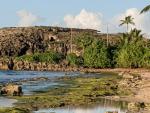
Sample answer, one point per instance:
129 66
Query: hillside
18 41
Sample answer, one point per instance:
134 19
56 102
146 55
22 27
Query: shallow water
98 109
8 76
5 102
104 106
31 86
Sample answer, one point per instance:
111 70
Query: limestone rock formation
18 41
11 89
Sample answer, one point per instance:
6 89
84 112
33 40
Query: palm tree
127 20
146 9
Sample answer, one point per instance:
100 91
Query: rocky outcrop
17 41
139 107
11 89
130 80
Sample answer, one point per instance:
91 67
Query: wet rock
40 79
112 112
133 107
127 76
147 106
11 89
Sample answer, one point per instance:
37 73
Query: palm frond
146 9
122 24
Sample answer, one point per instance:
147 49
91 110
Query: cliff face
27 40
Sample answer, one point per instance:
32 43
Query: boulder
10 89
134 106
127 76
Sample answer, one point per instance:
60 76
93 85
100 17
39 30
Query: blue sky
54 11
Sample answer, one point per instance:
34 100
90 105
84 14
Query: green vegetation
146 9
133 51
13 110
50 57
74 60
127 20
96 55
84 40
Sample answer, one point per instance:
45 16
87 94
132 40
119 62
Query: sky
92 14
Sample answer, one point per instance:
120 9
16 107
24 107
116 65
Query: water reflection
5 102
103 106
37 86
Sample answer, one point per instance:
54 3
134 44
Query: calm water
30 86
97 109
104 106
5 102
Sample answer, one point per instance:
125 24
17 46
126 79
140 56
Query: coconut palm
132 37
146 9
127 20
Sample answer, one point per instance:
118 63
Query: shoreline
86 70
144 73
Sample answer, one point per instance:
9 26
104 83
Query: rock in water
10 89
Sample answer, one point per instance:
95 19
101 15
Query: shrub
50 57
96 55
74 60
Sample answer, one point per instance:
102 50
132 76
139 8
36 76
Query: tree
146 9
96 55
74 60
84 40
132 51
127 20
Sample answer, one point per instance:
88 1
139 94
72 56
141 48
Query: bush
96 55
133 52
74 60
50 57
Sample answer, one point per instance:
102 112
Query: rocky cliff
18 41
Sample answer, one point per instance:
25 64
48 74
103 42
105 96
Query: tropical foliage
127 20
146 9
96 55
49 57
133 52
74 60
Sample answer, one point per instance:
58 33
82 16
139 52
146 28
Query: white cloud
141 21
92 20
27 18
84 19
